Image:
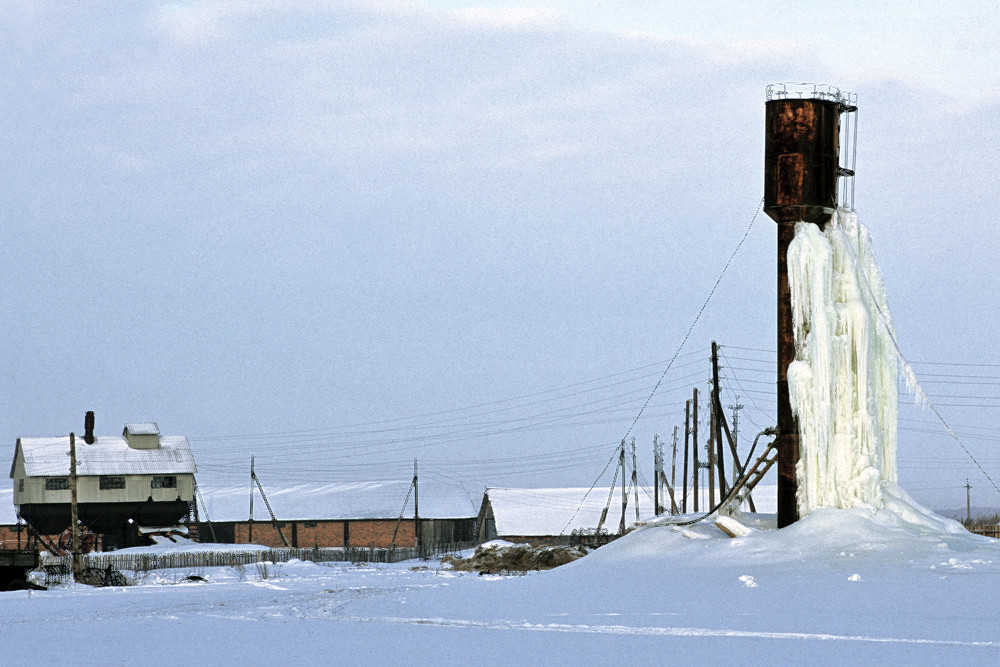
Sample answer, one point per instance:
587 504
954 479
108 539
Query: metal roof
349 500
109 455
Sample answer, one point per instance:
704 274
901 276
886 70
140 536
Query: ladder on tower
756 473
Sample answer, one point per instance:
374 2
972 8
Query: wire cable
697 317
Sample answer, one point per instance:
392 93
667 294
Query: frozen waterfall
843 382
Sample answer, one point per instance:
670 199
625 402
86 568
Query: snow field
893 586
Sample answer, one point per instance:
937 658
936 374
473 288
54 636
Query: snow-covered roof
108 455
358 500
143 428
556 511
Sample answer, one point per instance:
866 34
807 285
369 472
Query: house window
164 482
115 482
20 485
57 483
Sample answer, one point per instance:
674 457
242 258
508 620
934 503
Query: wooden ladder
759 469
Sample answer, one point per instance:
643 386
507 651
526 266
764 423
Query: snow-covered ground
849 586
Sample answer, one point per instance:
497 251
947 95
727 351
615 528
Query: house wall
485 522
142 440
138 488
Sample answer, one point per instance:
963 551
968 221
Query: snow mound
901 533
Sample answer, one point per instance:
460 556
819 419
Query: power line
697 317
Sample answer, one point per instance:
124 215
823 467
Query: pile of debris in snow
499 557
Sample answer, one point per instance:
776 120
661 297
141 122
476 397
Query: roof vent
142 436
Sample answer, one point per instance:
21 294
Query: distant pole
621 462
687 446
416 512
657 462
635 481
250 522
968 502
694 448
673 464
719 416
73 515
736 428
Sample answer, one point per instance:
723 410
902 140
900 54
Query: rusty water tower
802 148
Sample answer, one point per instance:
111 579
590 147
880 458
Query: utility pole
694 449
737 467
635 481
250 522
719 417
621 464
736 419
710 451
267 504
687 439
662 476
657 468
73 515
968 502
416 512
673 474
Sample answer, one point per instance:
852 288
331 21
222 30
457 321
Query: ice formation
843 382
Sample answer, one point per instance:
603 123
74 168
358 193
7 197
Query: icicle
842 384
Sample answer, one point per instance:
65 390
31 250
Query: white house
140 478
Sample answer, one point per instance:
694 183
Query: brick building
363 514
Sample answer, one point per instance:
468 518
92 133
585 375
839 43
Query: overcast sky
341 235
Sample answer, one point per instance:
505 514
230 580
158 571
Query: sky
338 236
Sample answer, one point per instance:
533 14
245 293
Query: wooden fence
144 562
988 531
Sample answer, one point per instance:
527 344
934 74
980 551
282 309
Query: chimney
88 428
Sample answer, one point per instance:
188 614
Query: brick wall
9 540
361 533
8 537
307 534
378 533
